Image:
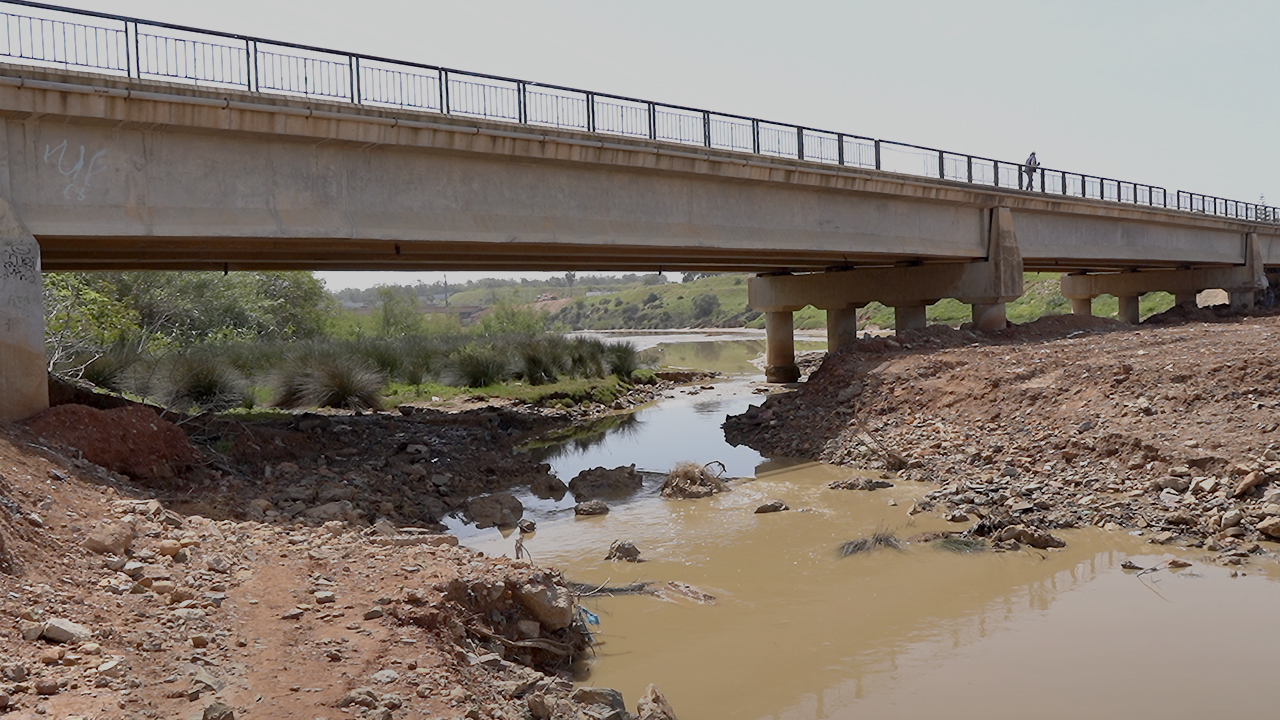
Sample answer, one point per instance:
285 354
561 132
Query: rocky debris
859 483
653 705
591 507
550 603
218 711
772 506
548 487
602 702
498 510
110 538
603 483
1029 536
60 630
688 480
623 550
1066 422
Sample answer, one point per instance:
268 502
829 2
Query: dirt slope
1059 423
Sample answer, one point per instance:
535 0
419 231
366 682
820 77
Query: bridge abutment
24 383
1240 281
986 284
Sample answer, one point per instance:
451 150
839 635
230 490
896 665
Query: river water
797 632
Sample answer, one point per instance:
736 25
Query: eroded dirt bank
284 569
1168 429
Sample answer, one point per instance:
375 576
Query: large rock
59 630
500 510
1250 481
551 604
548 487
1030 536
600 482
604 697
110 538
336 510
1270 526
624 550
653 706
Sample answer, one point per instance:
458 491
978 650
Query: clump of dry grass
691 480
879 539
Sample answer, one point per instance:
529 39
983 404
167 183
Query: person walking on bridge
1029 168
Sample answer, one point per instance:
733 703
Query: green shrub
624 359
541 358
329 380
587 357
202 379
478 365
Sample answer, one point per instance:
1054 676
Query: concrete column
908 317
989 317
24 378
842 327
780 348
1242 300
1128 309
1187 300
1082 306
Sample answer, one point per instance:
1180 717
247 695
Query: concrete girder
24 384
1240 281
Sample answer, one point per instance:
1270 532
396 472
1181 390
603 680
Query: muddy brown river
798 633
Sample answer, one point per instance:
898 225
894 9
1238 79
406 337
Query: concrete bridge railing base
24 384
986 284
1241 282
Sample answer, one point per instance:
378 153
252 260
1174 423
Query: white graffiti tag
80 172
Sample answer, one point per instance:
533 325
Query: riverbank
287 565
1167 430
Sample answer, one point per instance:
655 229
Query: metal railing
52 36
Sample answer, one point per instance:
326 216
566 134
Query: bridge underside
108 174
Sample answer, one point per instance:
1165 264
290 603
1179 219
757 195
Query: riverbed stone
652 705
599 482
60 630
606 697
551 604
497 510
110 538
772 506
1270 527
623 550
591 507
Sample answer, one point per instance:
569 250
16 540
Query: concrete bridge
102 172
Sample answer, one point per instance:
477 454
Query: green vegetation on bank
201 340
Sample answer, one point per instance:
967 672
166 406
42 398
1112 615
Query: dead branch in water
881 538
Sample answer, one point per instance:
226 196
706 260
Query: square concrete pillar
1082 306
1185 300
990 317
1242 301
780 348
842 327
1128 309
908 317
24 377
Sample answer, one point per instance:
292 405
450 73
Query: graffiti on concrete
77 166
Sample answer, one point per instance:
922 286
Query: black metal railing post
444 91
653 122
799 143
591 112
755 136
942 165
840 149
877 142
969 168
354 64
522 107
706 129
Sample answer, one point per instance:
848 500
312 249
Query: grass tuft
879 539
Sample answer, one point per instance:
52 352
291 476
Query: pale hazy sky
1174 93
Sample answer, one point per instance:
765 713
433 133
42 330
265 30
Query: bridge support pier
1185 299
1082 306
1240 281
24 378
780 347
986 284
909 317
842 326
